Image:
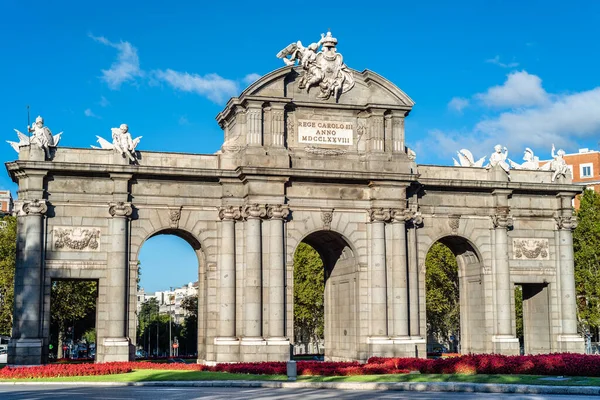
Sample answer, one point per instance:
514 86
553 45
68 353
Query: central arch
196 245
471 293
341 293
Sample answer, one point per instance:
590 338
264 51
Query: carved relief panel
75 239
530 249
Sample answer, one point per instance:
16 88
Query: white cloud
520 89
250 78
496 61
562 119
213 86
127 66
89 113
104 102
458 104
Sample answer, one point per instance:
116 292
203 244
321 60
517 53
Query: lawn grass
169 375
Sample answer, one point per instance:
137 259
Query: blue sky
518 73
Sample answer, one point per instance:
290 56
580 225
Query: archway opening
443 302
532 317
454 294
72 319
325 297
167 306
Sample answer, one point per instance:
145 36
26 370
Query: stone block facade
365 205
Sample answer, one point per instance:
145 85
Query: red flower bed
61 370
569 364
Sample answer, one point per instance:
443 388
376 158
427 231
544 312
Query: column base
115 349
571 344
397 347
25 352
227 350
507 345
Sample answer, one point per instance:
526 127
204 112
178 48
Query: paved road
55 392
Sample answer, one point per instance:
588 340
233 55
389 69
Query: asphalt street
56 392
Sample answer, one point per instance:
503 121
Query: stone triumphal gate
313 153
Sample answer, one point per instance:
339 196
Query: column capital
255 211
399 215
413 217
32 207
566 222
230 213
120 209
502 220
380 214
278 211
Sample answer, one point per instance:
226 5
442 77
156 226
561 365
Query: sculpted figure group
325 68
500 158
42 137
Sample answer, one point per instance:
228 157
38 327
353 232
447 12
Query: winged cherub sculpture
122 142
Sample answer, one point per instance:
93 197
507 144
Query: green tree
442 294
586 245
8 250
519 310
71 301
189 332
309 291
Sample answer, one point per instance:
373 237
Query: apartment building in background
6 202
169 301
585 168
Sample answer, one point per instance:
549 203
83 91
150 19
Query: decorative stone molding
454 223
324 152
230 213
502 219
33 207
277 211
75 239
566 222
120 209
380 214
327 217
530 249
255 211
174 217
290 125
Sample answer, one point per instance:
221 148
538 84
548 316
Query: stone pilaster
378 216
277 215
228 216
397 123
253 213
414 219
399 277
254 124
25 347
277 125
377 131
115 345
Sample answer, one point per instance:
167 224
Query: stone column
25 347
378 272
116 343
277 214
399 276
227 276
253 274
414 219
502 221
565 224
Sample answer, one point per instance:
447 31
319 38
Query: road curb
380 386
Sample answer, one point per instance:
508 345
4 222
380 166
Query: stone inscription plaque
325 132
